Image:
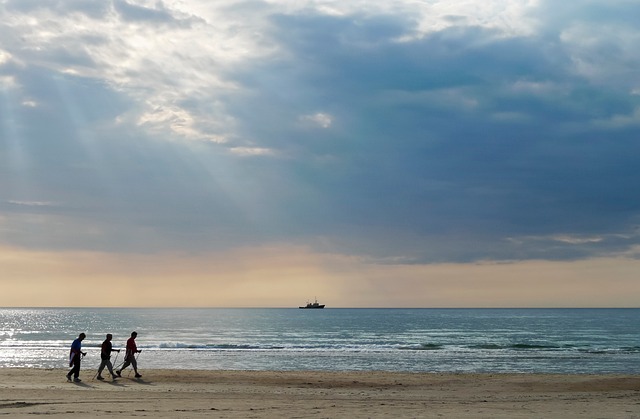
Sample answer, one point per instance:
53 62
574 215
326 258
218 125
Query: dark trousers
130 360
75 366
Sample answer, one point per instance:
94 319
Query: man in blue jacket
75 355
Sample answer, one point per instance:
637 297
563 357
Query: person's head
109 336
134 334
82 336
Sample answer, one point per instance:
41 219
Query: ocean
333 339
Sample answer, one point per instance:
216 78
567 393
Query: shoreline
25 392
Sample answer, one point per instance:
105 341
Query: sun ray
17 182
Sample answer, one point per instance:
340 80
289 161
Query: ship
315 304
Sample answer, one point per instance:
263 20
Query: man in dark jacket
105 356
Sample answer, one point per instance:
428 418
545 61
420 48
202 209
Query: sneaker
68 378
118 373
138 375
100 377
77 380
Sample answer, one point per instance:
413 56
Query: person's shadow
138 381
82 384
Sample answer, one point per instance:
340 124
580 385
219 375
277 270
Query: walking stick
114 361
113 374
115 368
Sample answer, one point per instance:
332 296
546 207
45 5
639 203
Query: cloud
156 13
251 151
32 203
318 119
402 132
4 57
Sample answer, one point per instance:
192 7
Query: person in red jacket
130 355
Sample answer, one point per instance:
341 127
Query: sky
382 153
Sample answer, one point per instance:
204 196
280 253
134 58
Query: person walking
105 356
130 355
75 355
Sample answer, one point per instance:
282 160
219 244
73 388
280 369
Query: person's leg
76 367
72 364
103 363
110 367
134 363
125 365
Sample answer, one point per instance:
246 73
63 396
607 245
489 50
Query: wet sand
27 392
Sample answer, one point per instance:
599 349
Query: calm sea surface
430 340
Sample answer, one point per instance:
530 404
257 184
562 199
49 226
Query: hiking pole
114 361
96 374
121 364
113 374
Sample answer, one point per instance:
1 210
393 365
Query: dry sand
249 394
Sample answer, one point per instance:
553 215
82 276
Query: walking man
105 356
75 355
130 355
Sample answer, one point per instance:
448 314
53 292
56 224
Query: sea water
416 340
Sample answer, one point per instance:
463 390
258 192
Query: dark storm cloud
462 133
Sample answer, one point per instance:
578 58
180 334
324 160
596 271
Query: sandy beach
250 394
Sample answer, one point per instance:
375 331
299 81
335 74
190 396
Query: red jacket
131 347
